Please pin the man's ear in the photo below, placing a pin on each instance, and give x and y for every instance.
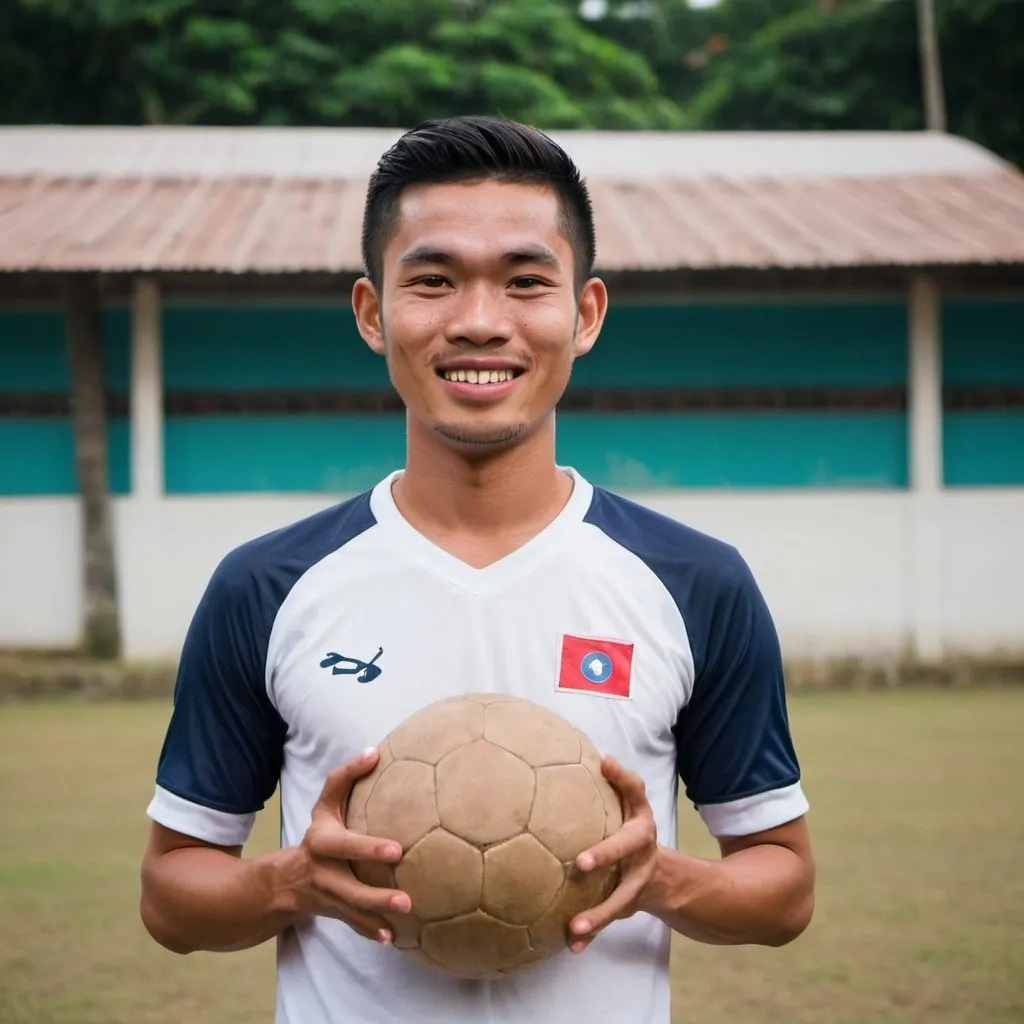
(593, 305)
(366, 307)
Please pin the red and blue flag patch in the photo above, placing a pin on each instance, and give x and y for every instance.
(592, 665)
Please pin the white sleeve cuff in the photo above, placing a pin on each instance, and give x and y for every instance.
(755, 813)
(205, 823)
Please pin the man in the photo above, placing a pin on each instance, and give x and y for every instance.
(482, 565)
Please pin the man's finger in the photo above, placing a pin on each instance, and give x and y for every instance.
(593, 920)
(339, 843)
(629, 784)
(369, 926)
(338, 783)
(634, 835)
(345, 889)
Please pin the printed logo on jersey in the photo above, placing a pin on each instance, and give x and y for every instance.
(364, 671)
(591, 665)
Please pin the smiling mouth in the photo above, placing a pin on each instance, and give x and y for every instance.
(479, 377)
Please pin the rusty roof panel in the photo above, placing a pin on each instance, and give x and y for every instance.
(274, 225)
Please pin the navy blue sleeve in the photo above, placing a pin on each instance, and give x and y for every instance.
(733, 735)
(224, 745)
(222, 755)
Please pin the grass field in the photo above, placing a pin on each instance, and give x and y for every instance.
(918, 820)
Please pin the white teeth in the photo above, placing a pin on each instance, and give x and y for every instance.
(478, 376)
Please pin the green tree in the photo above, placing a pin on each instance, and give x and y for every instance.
(529, 59)
(685, 45)
(856, 65)
(318, 62)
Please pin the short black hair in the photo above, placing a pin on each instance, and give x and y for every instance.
(476, 148)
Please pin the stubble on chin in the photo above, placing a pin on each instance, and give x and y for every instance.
(481, 441)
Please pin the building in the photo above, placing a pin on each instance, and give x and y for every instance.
(815, 351)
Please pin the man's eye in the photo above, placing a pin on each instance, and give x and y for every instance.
(432, 281)
(527, 282)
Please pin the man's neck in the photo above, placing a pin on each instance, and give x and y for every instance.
(482, 508)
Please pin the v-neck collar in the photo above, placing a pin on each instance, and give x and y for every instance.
(498, 574)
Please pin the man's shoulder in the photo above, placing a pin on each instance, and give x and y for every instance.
(671, 548)
(276, 559)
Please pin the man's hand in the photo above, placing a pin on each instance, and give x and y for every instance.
(321, 879)
(634, 847)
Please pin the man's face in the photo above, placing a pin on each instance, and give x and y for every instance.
(477, 314)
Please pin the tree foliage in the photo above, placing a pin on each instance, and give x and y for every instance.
(360, 62)
(856, 65)
(743, 64)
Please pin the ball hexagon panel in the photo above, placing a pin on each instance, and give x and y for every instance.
(437, 729)
(443, 876)
(402, 806)
(521, 878)
(591, 760)
(589, 755)
(533, 733)
(355, 811)
(484, 793)
(581, 891)
(567, 833)
(475, 944)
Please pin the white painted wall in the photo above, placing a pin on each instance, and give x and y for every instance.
(844, 573)
(40, 569)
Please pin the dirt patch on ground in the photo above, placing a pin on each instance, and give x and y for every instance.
(35, 676)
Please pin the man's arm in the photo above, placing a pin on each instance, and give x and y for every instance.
(198, 896)
(761, 892)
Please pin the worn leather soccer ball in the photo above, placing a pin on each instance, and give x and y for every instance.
(491, 798)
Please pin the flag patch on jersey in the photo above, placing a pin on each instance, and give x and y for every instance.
(589, 665)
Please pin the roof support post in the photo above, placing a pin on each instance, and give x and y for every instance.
(924, 408)
(84, 326)
(147, 404)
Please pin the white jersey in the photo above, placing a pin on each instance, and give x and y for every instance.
(680, 677)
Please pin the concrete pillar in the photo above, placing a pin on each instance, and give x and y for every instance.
(924, 421)
(925, 395)
(147, 402)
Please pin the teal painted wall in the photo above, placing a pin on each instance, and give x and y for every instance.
(730, 450)
(984, 449)
(812, 344)
(281, 453)
(983, 343)
(740, 344)
(348, 453)
(274, 347)
(37, 456)
(266, 347)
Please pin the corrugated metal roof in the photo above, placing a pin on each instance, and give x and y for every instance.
(263, 200)
(346, 153)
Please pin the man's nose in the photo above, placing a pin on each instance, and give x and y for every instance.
(481, 316)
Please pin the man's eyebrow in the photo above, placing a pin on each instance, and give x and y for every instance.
(426, 254)
(528, 254)
(532, 254)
